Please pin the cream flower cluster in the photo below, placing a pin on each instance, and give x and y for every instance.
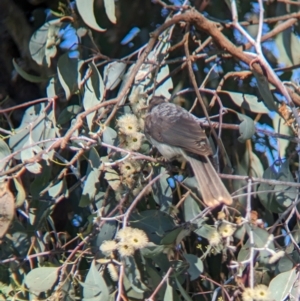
(224, 231)
(127, 241)
(258, 293)
(130, 125)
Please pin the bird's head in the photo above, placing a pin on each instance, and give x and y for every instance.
(155, 101)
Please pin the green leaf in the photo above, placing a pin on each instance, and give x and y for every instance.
(96, 81)
(4, 152)
(260, 238)
(86, 11)
(113, 74)
(281, 127)
(183, 292)
(248, 102)
(191, 208)
(288, 46)
(284, 264)
(53, 88)
(28, 153)
(250, 165)
(131, 294)
(42, 181)
(91, 184)
(28, 77)
(246, 128)
(205, 231)
(33, 122)
(154, 230)
(109, 137)
(170, 237)
(21, 193)
(68, 74)
(155, 280)
(55, 190)
(168, 292)
(167, 85)
(196, 265)
(281, 285)
(108, 232)
(162, 192)
(278, 197)
(264, 89)
(110, 10)
(152, 251)
(90, 188)
(134, 276)
(94, 285)
(43, 42)
(42, 279)
(112, 177)
(93, 93)
(68, 113)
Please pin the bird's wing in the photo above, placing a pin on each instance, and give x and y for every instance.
(172, 125)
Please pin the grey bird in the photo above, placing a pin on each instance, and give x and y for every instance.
(176, 134)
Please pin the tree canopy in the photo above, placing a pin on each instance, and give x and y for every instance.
(89, 209)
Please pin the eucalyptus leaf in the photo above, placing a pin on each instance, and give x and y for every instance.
(278, 197)
(112, 177)
(171, 237)
(68, 113)
(162, 192)
(94, 285)
(154, 222)
(281, 127)
(281, 285)
(196, 266)
(90, 188)
(29, 77)
(21, 193)
(191, 208)
(43, 42)
(167, 85)
(108, 232)
(130, 292)
(68, 74)
(133, 274)
(90, 98)
(42, 181)
(96, 81)
(260, 238)
(248, 102)
(33, 123)
(110, 10)
(113, 74)
(246, 128)
(168, 292)
(55, 190)
(109, 137)
(183, 292)
(288, 47)
(41, 279)
(28, 153)
(4, 152)
(264, 89)
(86, 11)
(284, 264)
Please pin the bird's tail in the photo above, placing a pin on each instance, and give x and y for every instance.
(212, 189)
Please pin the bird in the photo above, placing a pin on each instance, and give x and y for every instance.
(177, 134)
